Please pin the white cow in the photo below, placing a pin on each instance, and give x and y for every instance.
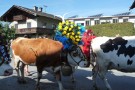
(113, 53)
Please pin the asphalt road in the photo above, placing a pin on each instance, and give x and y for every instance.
(118, 81)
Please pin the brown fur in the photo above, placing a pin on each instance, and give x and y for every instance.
(31, 50)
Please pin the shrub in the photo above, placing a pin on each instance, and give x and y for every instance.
(123, 29)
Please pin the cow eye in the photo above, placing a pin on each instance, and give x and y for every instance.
(74, 54)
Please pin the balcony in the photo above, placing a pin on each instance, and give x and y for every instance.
(34, 30)
(19, 17)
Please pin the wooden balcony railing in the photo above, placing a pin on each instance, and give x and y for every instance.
(34, 30)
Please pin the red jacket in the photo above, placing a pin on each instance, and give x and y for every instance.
(87, 37)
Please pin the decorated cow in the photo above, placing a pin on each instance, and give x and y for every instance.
(46, 53)
(113, 53)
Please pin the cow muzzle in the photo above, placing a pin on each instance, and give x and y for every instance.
(83, 64)
(8, 72)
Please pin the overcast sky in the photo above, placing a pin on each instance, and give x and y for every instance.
(82, 8)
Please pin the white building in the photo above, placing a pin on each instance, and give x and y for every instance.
(99, 19)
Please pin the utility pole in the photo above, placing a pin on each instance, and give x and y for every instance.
(45, 7)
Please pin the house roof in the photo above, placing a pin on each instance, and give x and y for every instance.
(132, 6)
(13, 10)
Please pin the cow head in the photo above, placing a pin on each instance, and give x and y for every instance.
(5, 68)
(77, 57)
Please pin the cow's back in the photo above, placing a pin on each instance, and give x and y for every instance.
(29, 50)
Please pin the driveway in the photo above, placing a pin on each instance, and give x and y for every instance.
(118, 81)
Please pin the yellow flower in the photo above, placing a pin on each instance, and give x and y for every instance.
(68, 34)
(79, 28)
(71, 36)
(71, 26)
(77, 39)
(78, 32)
(70, 29)
(65, 29)
(64, 32)
(76, 36)
(60, 27)
(60, 23)
(72, 22)
(63, 22)
(73, 39)
(67, 21)
(73, 33)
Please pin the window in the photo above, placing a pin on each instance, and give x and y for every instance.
(125, 20)
(44, 25)
(97, 22)
(16, 26)
(115, 20)
(87, 23)
(80, 24)
(28, 24)
(53, 26)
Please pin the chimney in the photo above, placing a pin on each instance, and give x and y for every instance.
(40, 9)
(35, 8)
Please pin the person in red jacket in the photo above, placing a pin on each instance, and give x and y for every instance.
(87, 37)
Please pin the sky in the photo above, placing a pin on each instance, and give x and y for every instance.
(82, 8)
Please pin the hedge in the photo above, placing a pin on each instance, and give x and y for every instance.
(123, 29)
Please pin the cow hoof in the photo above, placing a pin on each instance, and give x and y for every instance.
(37, 88)
(21, 81)
(95, 87)
(73, 81)
(109, 89)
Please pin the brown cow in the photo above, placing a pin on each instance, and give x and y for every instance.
(45, 53)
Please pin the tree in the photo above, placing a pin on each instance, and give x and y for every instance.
(8, 32)
(1, 26)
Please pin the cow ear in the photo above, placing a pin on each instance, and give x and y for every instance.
(73, 47)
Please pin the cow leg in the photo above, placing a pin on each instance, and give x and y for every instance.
(39, 75)
(72, 75)
(58, 78)
(17, 66)
(94, 75)
(102, 73)
(22, 73)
